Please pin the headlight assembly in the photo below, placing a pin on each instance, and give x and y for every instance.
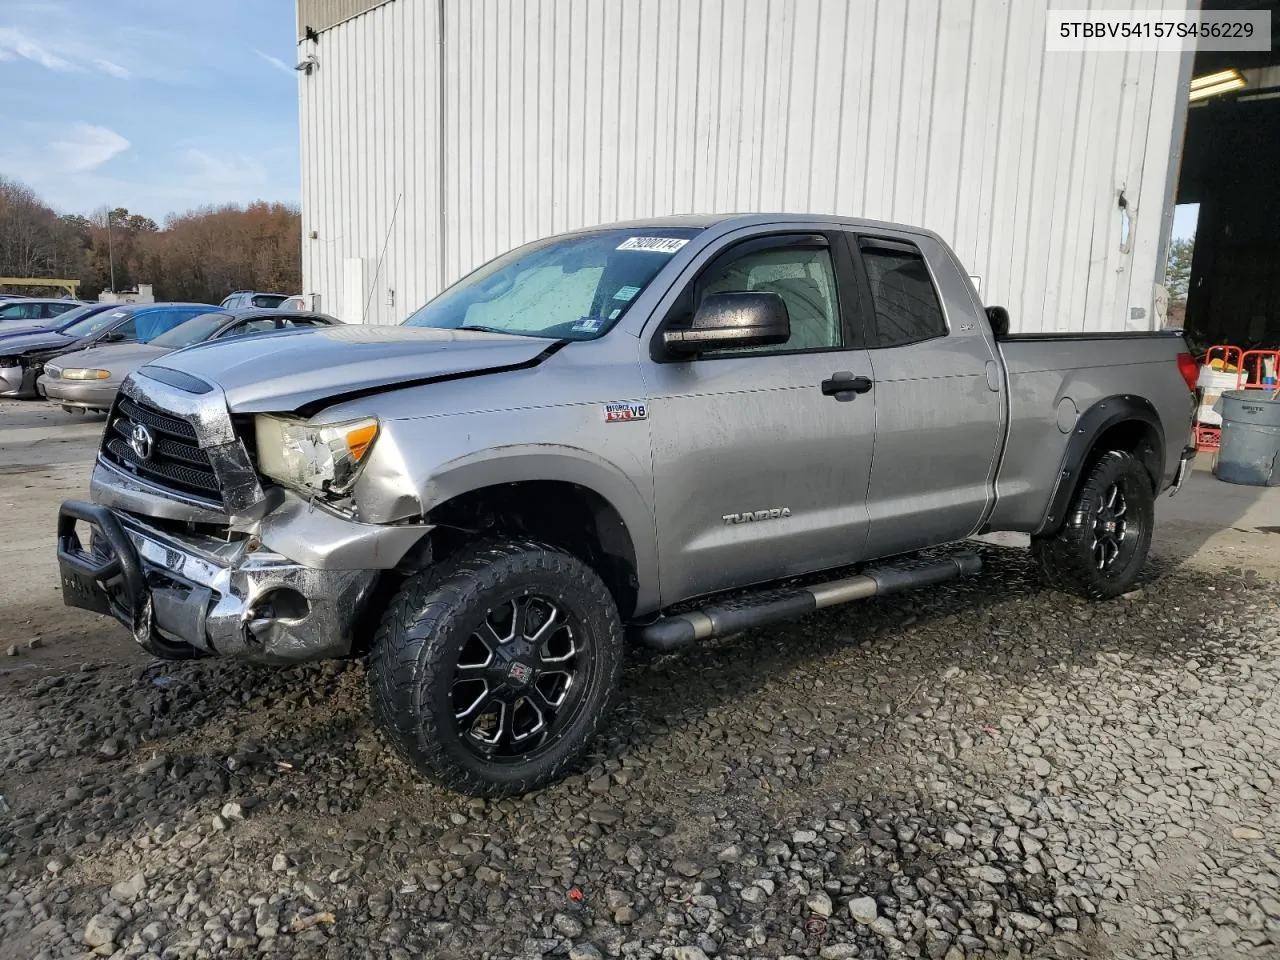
(85, 373)
(324, 457)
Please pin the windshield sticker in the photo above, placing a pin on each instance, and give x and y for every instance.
(587, 324)
(653, 244)
(616, 312)
(626, 293)
(624, 411)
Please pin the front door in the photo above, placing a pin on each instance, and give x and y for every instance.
(760, 470)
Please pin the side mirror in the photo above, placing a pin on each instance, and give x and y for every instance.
(112, 336)
(728, 321)
(998, 317)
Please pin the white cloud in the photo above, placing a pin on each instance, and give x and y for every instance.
(88, 147)
(14, 42)
(227, 171)
(114, 69)
(274, 61)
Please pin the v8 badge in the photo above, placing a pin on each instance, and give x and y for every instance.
(624, 411)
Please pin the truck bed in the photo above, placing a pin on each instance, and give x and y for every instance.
(1055, 378)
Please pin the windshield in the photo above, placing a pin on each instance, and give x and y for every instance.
(196, 330)
(563, 288)
(72, 317)
(91, 325)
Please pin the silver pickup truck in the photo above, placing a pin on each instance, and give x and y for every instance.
(652, 432)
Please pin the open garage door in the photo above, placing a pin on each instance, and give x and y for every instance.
(1231, 169)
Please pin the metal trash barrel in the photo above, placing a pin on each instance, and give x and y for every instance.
(1250, 451)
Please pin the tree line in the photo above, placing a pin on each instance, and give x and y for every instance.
(201, 255)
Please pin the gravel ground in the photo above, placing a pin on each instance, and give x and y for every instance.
(986, 769)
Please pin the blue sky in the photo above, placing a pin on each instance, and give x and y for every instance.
(1185, 216)
(154, 105)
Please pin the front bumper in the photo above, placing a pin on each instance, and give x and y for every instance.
(178, 592)
(87, 394)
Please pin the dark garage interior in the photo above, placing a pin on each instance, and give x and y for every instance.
(1231, 168)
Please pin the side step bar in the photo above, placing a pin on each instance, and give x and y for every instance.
(732, 616)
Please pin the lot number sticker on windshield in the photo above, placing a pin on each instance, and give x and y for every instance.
(653, 244)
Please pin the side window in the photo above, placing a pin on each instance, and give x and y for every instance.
(246, 327)
(803, 276)
(906, 304)
(128, 330)
(21, 311)
(57, 309)
(305, 322)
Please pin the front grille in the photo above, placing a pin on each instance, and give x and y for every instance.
(176, 460)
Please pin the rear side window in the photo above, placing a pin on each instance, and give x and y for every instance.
(20, 311)
(155, 322)
(906, 305)
(268, 300)
(246, 327)
(58, 309)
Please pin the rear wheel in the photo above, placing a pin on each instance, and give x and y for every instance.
(492, 673)
(1103, 544)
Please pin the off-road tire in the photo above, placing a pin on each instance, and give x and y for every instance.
(1068, 559)
(431, 620)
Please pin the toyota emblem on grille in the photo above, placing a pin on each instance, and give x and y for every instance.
(141, 441)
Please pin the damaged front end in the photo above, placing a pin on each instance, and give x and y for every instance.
(188, 550)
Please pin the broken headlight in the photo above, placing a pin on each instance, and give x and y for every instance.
(324, 457)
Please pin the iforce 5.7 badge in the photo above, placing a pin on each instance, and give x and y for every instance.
(624, 411)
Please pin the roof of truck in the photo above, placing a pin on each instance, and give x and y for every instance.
(703, 221)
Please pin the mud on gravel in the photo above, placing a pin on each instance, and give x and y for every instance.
(986, 769)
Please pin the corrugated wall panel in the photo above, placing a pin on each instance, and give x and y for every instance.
(369, 123)
(563, 113)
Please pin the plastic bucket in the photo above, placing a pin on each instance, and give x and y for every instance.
(1250, 451)
(1211, 384)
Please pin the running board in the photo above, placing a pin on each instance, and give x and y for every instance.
(732, 616)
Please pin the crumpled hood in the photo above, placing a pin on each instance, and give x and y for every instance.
(35, 340)
(120, 358)
(279, 372)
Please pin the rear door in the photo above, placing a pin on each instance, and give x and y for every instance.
(940, 409)
(759, 473)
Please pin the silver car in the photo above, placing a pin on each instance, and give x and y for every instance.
(89, 379)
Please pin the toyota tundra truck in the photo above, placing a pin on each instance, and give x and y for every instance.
(653, 433)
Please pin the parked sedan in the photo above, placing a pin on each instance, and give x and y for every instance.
(16, 328)
(45, 310)
(23, 357)
(88, 379)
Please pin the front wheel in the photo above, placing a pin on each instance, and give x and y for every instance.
(1100, 550)
(492, 673)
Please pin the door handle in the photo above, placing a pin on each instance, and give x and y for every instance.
(844, 385)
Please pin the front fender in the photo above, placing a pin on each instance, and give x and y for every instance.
(420, 464)
(520, 463)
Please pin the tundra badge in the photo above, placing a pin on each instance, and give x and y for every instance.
(774, 513)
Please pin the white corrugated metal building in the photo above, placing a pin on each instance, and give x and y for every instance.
(438, 133)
